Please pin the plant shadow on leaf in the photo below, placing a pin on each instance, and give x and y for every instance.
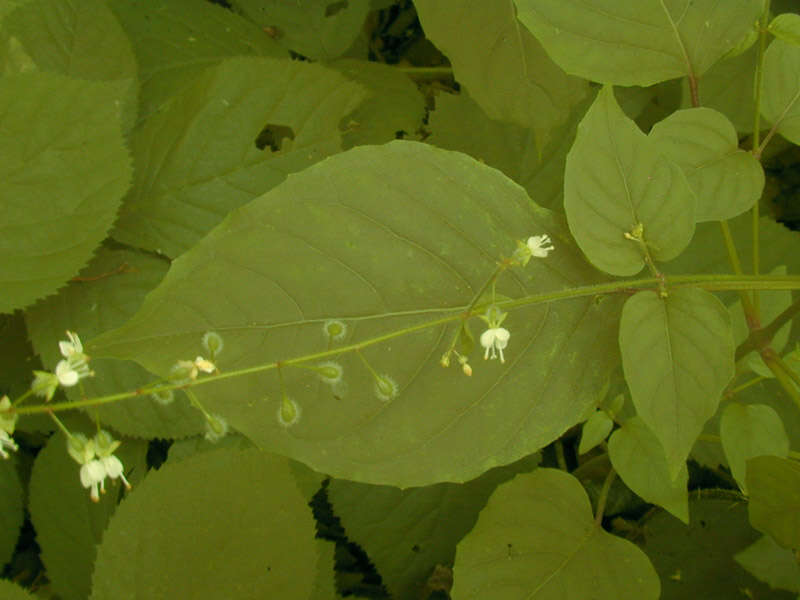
(273, 135)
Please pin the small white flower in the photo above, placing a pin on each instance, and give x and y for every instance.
(540, 245)
(44, 384)
(495, 339)
(204, 365)
(114, 469)
(72, 347)
(93, 474)
(183, 371)
(105, 445)
(67, 376)
(6, 441)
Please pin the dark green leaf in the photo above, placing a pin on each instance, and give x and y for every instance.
(774, 485)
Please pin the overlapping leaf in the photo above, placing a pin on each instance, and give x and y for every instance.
(615, 181)
(780, 88)
(750, 430)
(406, 533)
(63, 175)
(106, 294)
(772, 564)
(504, 68)
(774, 485)
(638, 42)
(383, 238)
(175, 40)
(318, 29)
(726, 180)
(537, 539)
(11, 514)
(234, 519)
(677, 354)
(199, 159)
(638, 457)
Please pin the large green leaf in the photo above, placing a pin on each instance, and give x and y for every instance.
(638, 42)
(79, 38)
(537, 539)
(774, 485)
(383, 238)
(318, 29)
(63, 174)
(68, 525)
(406, 533)
(725, 179)
(677, 354)
(616, 180)
(505, 146)
(780, 88)
(226, 524)
(175, 40)
(107, 293)
(199, 158)
(639, 458)
(505, 69)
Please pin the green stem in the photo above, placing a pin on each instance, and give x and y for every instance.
(196, 403)
(603, 498)
(707, 282)
(61, 425)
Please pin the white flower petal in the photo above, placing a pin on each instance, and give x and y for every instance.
(67, 376)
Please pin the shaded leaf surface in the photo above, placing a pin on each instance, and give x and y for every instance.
(11, 514)
(406, 533)
(638, 42)
(501, 64)
(317, 29)
(244, 500)
(396, 236)
(677, 354)
(780, 88)
(198, 159)
(697, 560)
(771, 564)
(63, 175)
(617, 179)
(774, 485)
(537, 539)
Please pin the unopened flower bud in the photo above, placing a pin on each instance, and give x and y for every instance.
(386, 388)
(330, 372)
(288, 412)
(163, 397)
(334, 330)
(216, 428)
(212, 342)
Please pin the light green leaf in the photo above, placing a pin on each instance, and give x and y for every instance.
(406, 533)
(199, 159)
(639, 458)
(771, 304)
(64, 36)
(397, 236)
(774, 485)
(771, 564)
(615, 180)
(11, 515)
(317, 29)
(726, 180)
(325, 583)
(394, 103)
(505, 146)
(63, 174)
(68, 525)
(105, 295)
(504, 68)
(595, 430)
(638, 42)
(780, 88)
(677, 354)
(537, 539)
(235, 519)
(786, 27)
(11, 591)
(697, 560)
(175, 40)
